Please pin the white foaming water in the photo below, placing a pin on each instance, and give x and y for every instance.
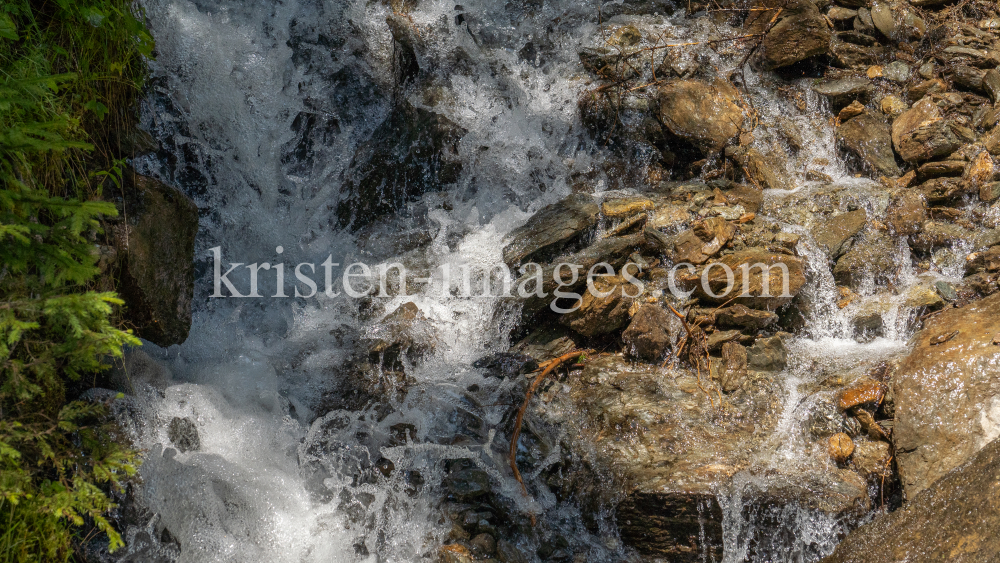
(280, 475)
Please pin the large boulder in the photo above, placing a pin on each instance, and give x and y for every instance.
(707, 114)
(947, 393)
(676, 460)
(956, 519)
(869, 138)
(922, 133)
(551, 229)
(413, 152)
(155, 248)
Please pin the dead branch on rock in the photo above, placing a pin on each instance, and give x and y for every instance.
(549, 368)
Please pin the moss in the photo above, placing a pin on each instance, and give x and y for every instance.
(71, 72)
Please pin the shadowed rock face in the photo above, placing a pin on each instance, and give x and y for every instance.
(551, 229)
(413, 152)
(956, 519)
(156, 271)
(947, 394)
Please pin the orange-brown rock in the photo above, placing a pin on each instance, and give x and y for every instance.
(947, 394)
(841, 447)
(866, 391)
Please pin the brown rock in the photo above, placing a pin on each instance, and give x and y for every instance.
(626, 207)
(651, 333)
(864, 392)
(955, 520)
(744, 317)
(600, 315)
(549, 231)
(834, 233)
(922, 133)
(155, 246)
(735, 361)
(707, 114)
(932, 86)
(906, 213)
(749, 279)
(869, 138)
(873, 460)
(980, 172)
(856, 108)
(703, 240)
(841, 447)
(941, 168)
(797, 37)
(947, 395)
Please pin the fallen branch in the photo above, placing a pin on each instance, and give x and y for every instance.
(549, 368)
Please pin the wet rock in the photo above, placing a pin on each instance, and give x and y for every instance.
(801, 34)
(545, 343)
(612, 250)
(466, 484)
(955, 519)
(767, 354)
(708, 114)
(936, 234)
(947, 395)
(506, 364)
(744, 317)
(455, 553)
(702, 241)
(968, 77)
(184, 434)
(985, 261)
(897, 71)
(155, 249)
(413, 152)
(864, 392)
(405, 332)
(941, 168)
(626, 207)
(942, 191)
(981, 172)
(932, 86)
(550, 230)
(868, 326)
(991, 84)
(765, 170)
(670, 464)
(840, 447)
(906, 213)
(872, 257)
(842, 90)
(735, 362)
(922, 133)
(651, 333)
(873, 460)
(893, 107)
(601, 315)
(754, 271)
(851, 55)
(483, 545)
(834, 234)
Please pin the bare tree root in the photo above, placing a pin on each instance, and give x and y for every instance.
(549, 368)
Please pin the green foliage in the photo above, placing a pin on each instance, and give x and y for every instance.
(70, 72)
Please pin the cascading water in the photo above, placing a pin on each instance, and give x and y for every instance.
(259, 109)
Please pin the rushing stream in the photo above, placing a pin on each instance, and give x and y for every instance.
(259, 108)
